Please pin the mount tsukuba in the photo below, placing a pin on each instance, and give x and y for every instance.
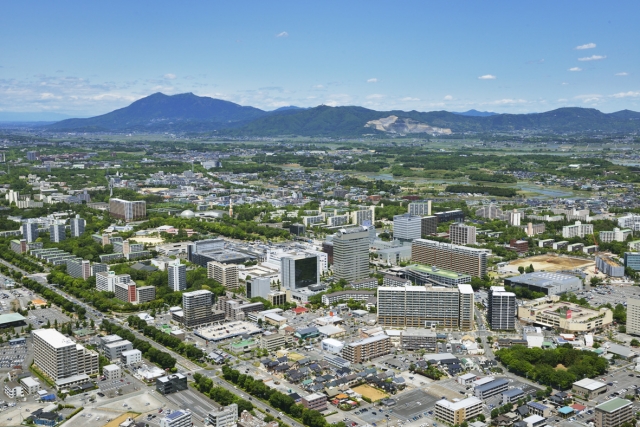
(189, 113)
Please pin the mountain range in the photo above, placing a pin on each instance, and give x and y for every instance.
(194, 114)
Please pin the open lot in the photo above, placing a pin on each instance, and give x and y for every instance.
(549, 263)
(370, 393)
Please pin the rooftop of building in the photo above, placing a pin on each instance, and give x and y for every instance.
(613, 404)
(460, 404)
(589, 384)
(423, 268)
(54, 338)
(542, 278)
(368, 340)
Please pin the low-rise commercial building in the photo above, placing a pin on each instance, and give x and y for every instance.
(546, 282)
(564, 316)
(113, 351)
(130, 357)
(171, 383)
(588, 389)
(417, 339)
(177, 419)
(112, 372)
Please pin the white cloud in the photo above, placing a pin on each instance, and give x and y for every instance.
(409, 99)
(507, 101)
(282, 34)
(318, 87)
(48, 95)
(562, 100)
(448, 98)
(372, 80)
(586, 46)
(170, 76)
(564, 83)
(629, 94)
(575, 69)
(588, 99)
(624, 73)
(375, 96)
(592, 58)
(487, 77)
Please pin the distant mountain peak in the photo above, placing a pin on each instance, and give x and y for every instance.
(476, 113)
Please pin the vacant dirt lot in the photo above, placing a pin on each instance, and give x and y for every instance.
(549, 263)
(370, 392)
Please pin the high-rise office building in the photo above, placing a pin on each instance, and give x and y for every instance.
(197, 307)
(59, 357)
(461, 234)
(30, 231)
(259, 287)
(455, 215)
(127, 210)
(420, 306)
(502, 309)
(407, 227)
(633, 316)
(57, 233)
(351, 254)
(300, 271)
(429, 225)
(447, 256)
(177, 276)
(225, 274)
(77, 226)
(420, 208)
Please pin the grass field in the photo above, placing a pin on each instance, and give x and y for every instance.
(370, 393)
(549, 263)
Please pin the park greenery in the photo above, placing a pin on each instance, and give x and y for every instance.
(558, 368)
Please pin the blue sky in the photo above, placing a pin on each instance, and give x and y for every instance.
(85, 58)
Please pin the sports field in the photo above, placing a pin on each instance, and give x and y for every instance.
(370, 393)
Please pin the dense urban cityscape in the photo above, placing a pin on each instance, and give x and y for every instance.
(337, 214)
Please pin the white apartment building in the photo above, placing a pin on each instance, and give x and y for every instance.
(461, 234)
(60, 358)
(577, 230)
(106, 280)
(617, 235)
(177, 276)
(420, 208)
(225, 274)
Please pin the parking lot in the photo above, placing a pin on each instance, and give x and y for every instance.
(610, 294)
(39, 317)
(111, 388)
(12, 355)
